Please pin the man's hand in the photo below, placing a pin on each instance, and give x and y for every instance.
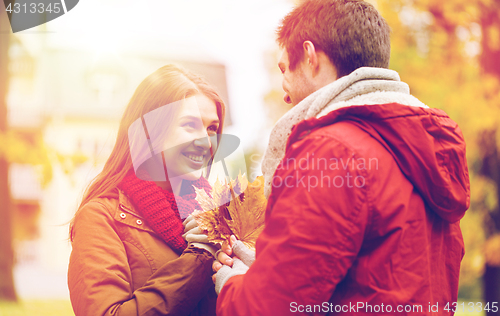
(242, 259)
(224, 256)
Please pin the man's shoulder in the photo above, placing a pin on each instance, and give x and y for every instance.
(352, 135)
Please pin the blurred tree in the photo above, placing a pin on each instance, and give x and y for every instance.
(275, 104)
(449, 53)
(16, 148)
(490, 145)
(7, 290)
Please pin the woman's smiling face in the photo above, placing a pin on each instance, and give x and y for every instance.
(192, 138)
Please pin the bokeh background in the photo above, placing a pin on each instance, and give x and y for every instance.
(65, 84)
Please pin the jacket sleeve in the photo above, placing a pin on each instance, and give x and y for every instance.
(100, 278)
(315, 223)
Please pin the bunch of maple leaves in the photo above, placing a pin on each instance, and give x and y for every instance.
(234, 208)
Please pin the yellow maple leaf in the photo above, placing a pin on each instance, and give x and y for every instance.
(235, 208)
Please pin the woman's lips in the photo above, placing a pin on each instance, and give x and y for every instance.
(196, 158)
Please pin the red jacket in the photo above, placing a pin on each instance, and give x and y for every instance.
(362, 218)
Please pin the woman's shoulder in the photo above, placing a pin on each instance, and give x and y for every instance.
(113, 205)
(105, 205)
(100, 214)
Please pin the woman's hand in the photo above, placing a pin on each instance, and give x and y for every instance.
(194, 236)
(241, 261)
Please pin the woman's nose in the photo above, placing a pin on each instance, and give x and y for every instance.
(203, 142)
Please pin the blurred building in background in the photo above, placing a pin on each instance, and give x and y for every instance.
(70, 101)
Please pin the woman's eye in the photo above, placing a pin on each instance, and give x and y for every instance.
(212, 129)
(189, 124)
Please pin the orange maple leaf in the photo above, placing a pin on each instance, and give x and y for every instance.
(235, 208)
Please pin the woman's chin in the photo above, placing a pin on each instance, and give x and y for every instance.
(192, 175)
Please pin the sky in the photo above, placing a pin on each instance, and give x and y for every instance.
(234, 33)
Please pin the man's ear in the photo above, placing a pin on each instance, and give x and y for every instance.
(311, 55)
(320, 66)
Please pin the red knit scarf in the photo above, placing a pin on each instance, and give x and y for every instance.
(161, 209)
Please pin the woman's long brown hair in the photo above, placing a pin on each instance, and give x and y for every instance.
(166, 85)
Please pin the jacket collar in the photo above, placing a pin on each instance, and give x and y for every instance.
(125, 204)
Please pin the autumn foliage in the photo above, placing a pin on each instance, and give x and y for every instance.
(449, 52)
(234, 208)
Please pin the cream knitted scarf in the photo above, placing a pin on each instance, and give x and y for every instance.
(364, 86)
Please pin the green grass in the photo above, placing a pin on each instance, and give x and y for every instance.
(37, 308)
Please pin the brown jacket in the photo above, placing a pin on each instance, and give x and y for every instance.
(120, 266)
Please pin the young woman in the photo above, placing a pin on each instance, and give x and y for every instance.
(129, 257)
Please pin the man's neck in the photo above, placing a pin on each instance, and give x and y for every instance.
(325, 73)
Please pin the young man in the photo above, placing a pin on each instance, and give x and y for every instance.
(366, 184)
